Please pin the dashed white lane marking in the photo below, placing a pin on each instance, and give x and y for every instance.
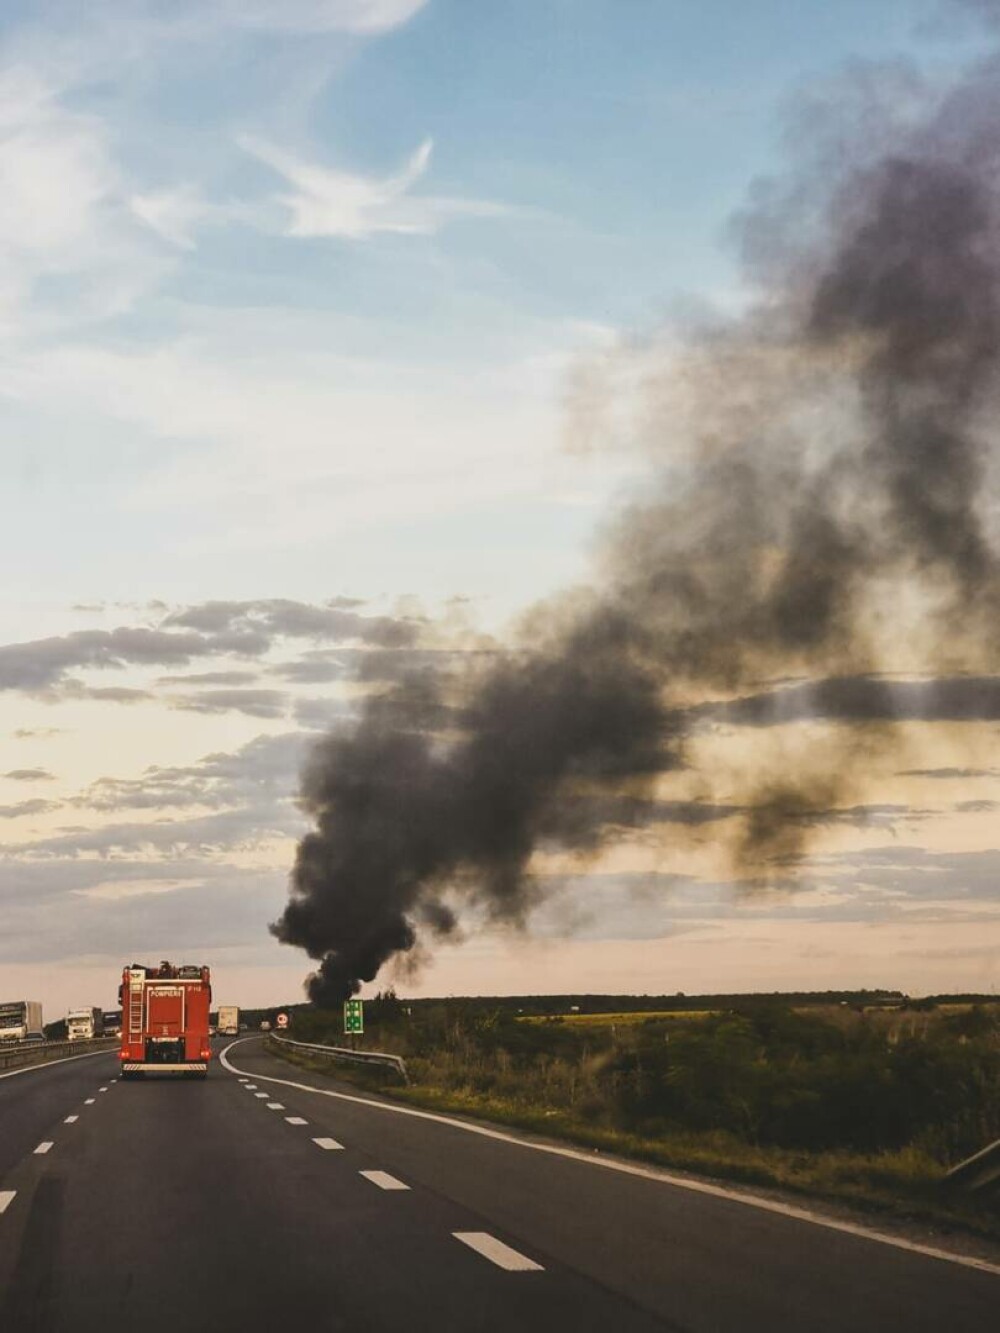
(383, 1180)
(275, 1106)
(330, 1144)
(631, 1169)
(242, 1080)
(249, 1087)
(497, 1252)
(90, 1101)
(44, 1147)
(114, 1080)
(261, 1096)
(102, 1089)
(71, 1120)
(6, 1199)
(295, 1120)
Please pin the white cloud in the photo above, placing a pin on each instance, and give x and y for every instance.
(329, 202)
(62, 218)
(357, 16)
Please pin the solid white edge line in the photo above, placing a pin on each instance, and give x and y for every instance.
(497, 1252)
(630, 1169)
(63, 1060)
(6, 1199)
(383, 1180)
(44, 1147)
(71, 1120)
(331, 1145)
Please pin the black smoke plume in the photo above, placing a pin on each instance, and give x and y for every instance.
(817, 510)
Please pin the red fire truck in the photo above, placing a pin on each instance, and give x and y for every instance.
(165, 1020)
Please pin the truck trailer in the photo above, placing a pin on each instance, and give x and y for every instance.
(165, 1019)
(229, 1020)
(21, 1020)
(85, 1024)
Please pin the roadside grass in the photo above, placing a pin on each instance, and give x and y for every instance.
(906, 1184)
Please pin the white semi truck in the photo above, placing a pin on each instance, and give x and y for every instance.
(85, 1024)
(229, 1020)
(21, 1020)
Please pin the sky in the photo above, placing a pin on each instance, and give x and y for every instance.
(301, 307)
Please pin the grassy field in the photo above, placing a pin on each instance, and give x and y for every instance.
(614, 1019)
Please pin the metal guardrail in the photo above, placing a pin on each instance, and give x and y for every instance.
(343, 1053)
(978, 1172)
(25, 1054)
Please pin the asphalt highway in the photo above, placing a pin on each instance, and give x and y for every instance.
(244, 1203)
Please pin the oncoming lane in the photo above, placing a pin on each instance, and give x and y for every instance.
(35, 1099)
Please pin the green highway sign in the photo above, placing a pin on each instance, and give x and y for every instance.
(354, 1016)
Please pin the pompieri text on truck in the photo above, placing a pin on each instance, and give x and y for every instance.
(165, 1019)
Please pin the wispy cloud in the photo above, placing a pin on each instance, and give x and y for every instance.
(355, 16)
(252, 703)
(112, 890)
(329, 202)
(23, 808)
(247, 629)
(262, 771)
(173, 213)
(68, 247)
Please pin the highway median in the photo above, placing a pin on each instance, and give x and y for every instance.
(26, 1055)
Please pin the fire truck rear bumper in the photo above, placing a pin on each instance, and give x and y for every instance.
(161, 1067)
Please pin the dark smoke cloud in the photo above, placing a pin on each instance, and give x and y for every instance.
(866, 699)
(823, 473)
(398, 815)
(948, 773)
